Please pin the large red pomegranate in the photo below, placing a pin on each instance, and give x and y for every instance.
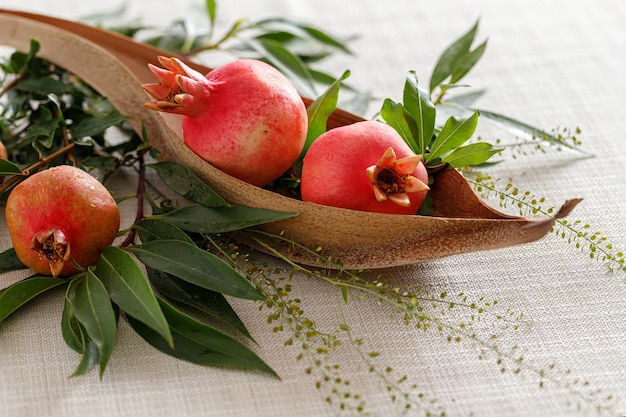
(364, 166)
(244, 117)
(59, 215)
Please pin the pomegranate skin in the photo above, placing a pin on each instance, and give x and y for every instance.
(334, 168)
(243, 117)
(69, 208)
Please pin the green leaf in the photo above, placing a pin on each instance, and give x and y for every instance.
(19, 62)
(210, 302)
(200, 219)
(451, 58)
(9, 261)
(43, 86)
(130, 290)
(21, 292)
(70, 329)
(288, 63)
(92, 126)
(324, 38)
(152, 229)
(9, 168)
(396, 116)
(183, 181)
(300, 29)
(211, 10)
(455, 132)
(90, 357)
(198, 343)
(418, 104)
(468, 61)
(194, 265)
(320, 110)
(471, 155)
(92, 307)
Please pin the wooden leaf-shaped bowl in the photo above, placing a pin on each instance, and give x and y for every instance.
(116, 66)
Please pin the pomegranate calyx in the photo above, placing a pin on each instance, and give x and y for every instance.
(54, 246)
(180, 87)
(391, 178)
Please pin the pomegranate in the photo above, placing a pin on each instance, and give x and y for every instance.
(59, 216)
(244, 117)
(364, 166)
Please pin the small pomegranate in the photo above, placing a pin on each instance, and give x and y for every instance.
(244, 117)
(364, 166)
(61, 215)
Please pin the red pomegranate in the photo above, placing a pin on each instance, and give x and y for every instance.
(364, 166)
(244, 117)
(3, 151)
(60, 215)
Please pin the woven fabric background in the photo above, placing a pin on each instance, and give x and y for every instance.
(557, 63)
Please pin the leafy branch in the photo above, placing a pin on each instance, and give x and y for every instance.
(292, 46)
(452, 67)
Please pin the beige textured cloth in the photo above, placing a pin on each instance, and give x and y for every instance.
(551, 63)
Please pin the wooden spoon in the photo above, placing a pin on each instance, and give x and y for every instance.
(116, 66)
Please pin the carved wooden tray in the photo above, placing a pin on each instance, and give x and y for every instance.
(117, 66)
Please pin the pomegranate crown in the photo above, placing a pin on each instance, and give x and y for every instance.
(391, 178)
(180, 87)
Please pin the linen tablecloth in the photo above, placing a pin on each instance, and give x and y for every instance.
(553, 64)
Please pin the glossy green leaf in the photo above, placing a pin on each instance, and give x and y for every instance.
(471, 155)
(70, 328)
(130, 290)
(96, 125)
(43, 86)
(449, 60)
(418, 104)
(468, 61)
(75, 336)
(92, 307)
(9, 261)
(152, 229)
(198, 343)
(200, 219)
(9, 168)
(195, 265)
(183, 181)
(89, 358)
(210, 302)
(320, 110)
(21, 292)
(396, 116)
(455, 132)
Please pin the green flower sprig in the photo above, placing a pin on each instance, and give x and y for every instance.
(577, 232)
(456, 317)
